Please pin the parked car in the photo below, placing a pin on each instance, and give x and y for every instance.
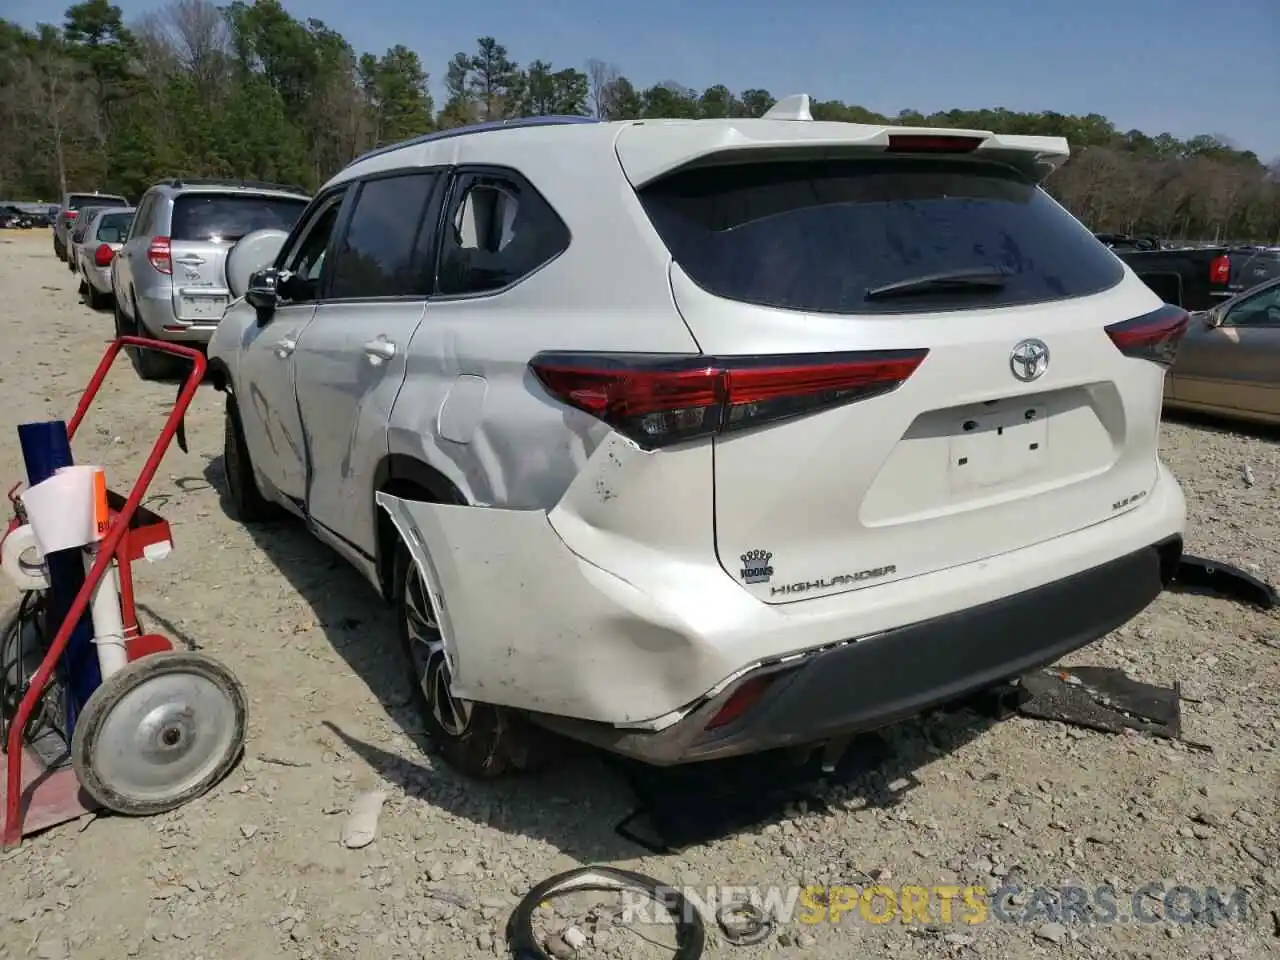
(170, 276)
(103, 239)
(12, 218)
(1121, 241)
(77, 233)
(692, 439)
(1229, 362)
(72, 204)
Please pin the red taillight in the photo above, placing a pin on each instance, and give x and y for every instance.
(102, 256)
(72, 214)
(1220, 270)
(930, 143)
(741, 700)
(158, 254)
(1153, 336)
(660, 400)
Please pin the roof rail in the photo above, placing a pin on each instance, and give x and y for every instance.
(514, 123)
(179, 182)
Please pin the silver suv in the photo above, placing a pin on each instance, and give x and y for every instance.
(72, 204)
(169, 279)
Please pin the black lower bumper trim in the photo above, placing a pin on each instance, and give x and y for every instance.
(886, 678)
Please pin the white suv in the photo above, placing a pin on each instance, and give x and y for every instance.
(696, 438)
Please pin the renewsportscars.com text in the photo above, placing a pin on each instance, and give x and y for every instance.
(947, 904)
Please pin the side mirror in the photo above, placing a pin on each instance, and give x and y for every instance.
(263, 290)
(1214, 318)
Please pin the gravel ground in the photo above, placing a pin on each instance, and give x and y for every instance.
(256, 870)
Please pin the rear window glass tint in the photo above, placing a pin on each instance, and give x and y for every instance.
(817, 235)
(211, 216)
(114, 227)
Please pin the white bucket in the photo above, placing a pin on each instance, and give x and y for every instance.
(67, 510)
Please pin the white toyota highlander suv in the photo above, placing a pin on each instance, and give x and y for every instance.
(695, 438)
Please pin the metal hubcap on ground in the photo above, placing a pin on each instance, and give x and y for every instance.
(427, 649)
(165, 736)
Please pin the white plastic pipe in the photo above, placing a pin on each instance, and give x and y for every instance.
(108, 621)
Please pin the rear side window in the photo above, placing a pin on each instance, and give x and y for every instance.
(114, 227)
(819, 235)
(498, 230)
(380, 253)
(228, 217)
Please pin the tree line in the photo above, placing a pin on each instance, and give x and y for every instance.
(249, 91)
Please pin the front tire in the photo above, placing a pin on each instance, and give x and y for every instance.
(478, 740)
(248, 505)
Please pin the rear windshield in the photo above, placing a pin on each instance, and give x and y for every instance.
(114, 227)
(78, 201)
(213, 216)
(818, 235)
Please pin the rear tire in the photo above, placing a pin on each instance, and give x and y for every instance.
(59, 251)
(247, 503)
(478, 740)
(97, 300)
(150, 364)
(125, 326)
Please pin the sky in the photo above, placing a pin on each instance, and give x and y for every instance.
(1181, 66)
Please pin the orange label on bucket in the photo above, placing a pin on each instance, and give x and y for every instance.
(101, 513)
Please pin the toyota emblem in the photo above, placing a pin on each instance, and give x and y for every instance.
(1029, 360)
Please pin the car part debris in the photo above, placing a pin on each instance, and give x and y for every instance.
(1222, 579)
(522, 939)
(691, 804)
(744, 924)
(361, 826)
(1103, 699)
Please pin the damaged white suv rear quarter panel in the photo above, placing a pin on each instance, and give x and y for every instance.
(527, 623)
(502, 578)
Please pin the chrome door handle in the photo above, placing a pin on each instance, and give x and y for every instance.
(285, 347)
(191, 260)
(380, 349)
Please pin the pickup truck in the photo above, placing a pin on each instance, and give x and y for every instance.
(1251, 266)
(1194, 278)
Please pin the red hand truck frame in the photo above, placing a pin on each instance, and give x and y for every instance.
(133, 529)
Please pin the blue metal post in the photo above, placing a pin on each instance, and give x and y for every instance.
(45, 448)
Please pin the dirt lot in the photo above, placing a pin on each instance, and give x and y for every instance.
(256, 870)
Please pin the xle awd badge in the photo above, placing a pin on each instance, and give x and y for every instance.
(755, 566)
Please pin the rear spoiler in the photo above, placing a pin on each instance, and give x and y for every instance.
(649, 150)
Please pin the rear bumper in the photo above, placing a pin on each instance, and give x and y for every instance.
(635, 649)
(97, 277)
(869, 683)
(157, 320)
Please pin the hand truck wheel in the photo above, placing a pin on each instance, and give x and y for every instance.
(160, 732)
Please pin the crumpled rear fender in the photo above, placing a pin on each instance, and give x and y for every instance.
(528, 624)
